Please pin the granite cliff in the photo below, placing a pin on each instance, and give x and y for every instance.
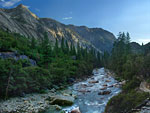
(21, 20)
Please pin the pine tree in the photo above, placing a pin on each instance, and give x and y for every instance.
(71, 49)
(46, 50)
(78, 51)
(67, 47)
(56, 48)
(45, 40)
(127, 38)
(33, 43)
(74, 50)
(62, 44)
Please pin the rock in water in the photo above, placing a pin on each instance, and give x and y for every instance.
(105, 85)
(92, 82)
(104, 93)
(61, 100)
(107, 81)
(76, 110)
(103, 88)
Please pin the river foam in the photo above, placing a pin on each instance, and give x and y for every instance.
(89, 100)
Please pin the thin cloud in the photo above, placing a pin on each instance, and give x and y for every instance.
(67, 18)
(8, 3)
(37, 9)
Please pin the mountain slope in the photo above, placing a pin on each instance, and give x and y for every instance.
(21, 20)
(100, 38)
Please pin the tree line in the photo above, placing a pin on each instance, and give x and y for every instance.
(129, 65)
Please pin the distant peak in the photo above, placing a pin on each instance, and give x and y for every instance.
(21, 6)
(25, 8)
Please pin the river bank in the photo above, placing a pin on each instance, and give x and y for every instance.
(37, 103)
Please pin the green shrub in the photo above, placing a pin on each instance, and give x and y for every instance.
(124, 102)
(132, 84)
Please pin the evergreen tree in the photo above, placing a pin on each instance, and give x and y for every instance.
(79, 55)
(33, 43)
(74, 50)
(46, 50)
(127, 38)
(67, 47)
(56, 48)
(63, 45)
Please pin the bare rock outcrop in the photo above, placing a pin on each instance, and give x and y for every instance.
(21, 20)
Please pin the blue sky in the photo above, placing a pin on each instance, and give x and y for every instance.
(113, 15)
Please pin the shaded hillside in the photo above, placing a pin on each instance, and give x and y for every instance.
(100, 38)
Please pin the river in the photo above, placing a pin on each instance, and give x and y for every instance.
(89, 100)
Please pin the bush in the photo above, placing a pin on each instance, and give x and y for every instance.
(132, 84)
(125, 102)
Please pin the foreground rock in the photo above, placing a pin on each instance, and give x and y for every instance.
(32, 103)
(35, 103)
(61, 100)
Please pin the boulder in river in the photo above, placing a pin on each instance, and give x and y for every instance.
(61, 100)
(84, 85)
(84, 91)
(76, 110)
(103, 88)
(94, 81)
(107, 81)
(105, 85)
(104, 93)
(110, 86)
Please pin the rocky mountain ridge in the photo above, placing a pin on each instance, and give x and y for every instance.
(21, 20)
(137, 48)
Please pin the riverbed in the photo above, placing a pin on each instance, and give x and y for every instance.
(89, 100)
(94, 93)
